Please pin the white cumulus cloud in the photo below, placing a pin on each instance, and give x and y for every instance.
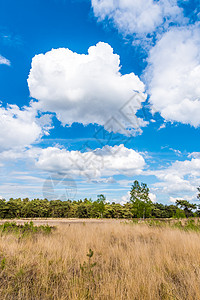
(19, 127)
(181, 177)
(106, 162)
(87, 88)
(137, 16)
(173, 75)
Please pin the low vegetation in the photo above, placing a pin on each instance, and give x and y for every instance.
(24, 229)
(183, 224)
(143, 261)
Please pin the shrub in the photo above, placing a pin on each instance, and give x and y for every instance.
(25, 229)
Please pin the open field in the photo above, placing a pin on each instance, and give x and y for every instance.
(60, 221)
(130, 261)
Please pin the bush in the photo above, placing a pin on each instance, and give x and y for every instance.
(25, 229)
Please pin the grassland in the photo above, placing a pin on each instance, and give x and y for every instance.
(126, 261)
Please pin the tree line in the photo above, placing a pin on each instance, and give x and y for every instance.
(139, 206)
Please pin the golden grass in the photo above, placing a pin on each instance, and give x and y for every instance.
(132, 262)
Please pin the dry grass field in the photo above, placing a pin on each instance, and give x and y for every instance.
(129, 262)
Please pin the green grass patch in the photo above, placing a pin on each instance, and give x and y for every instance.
(183, 224)
(188, 225)
(25, 229)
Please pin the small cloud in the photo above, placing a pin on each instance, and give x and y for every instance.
(20, 127)
(125, 198)
(103, 180)
(194, 155)
(177, 152)
(185, 197)
(173, 200)
(152, 197)
(4, 61)
(162, 126)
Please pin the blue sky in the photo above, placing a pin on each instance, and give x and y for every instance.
(95, 94)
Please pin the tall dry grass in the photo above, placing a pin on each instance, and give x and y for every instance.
(132, 262)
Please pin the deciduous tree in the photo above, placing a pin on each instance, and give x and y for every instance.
(142, 204)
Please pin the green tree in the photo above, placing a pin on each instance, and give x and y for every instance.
(83, 210)
(56, 208)
(36, 208)
(3, 210)
(101, 200)
(142, 204)
(14, 208)
(127, 211)
(158, 211)
(187, 207)
(170, 210)
(179, 213)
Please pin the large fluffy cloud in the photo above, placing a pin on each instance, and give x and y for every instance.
(107, 161)
(137, 16)
(174, 75)
(20, 127)
(86, 88)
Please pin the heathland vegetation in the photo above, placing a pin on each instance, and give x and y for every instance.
(143, 258)
(104, 261)
(139, 206)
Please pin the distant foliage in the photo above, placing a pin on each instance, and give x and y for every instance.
(140, 206)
